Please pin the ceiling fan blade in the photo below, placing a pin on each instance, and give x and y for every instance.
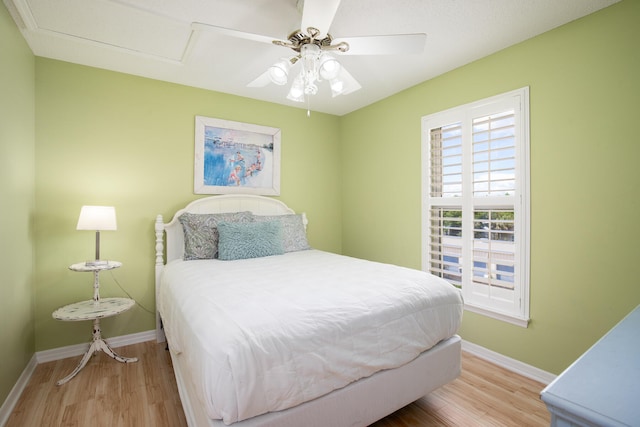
(261, 81)
(319, 14)
(200, 26)
(396, 44)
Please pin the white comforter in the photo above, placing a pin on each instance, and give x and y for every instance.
(267, 334)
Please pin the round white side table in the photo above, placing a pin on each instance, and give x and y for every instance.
(94, 309)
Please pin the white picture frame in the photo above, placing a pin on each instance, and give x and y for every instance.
(235, 157)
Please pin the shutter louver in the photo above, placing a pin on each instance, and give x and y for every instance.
(494, 155)
(494, 248)
(445, 244)
(446, 161)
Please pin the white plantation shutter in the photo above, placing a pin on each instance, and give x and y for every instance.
(475, 203)
(445, 223)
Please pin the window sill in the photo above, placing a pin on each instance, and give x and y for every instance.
(518, 321)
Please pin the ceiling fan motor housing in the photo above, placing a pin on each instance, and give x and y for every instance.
(300, 38)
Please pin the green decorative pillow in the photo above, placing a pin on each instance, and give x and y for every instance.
(294, 236)
(201, 232)
(249, 240)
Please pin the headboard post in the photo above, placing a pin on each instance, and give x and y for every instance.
(159, 229)
(159, 240)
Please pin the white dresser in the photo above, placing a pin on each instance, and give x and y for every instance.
(602, 387)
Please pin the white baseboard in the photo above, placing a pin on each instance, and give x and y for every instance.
(78, 349)
(15, 393)
(57, 354)
(508, 363)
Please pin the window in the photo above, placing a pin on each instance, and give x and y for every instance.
(476, 203)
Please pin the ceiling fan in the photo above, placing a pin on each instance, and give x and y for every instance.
(314, 49)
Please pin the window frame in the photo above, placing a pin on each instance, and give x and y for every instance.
(515, 311)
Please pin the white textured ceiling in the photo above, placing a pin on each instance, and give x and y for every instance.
(155, 38)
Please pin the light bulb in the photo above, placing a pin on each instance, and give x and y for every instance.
(337, 87)
(296, 91)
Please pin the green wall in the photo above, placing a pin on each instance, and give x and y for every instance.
(17, 112)
(108, 138)
(584, 81)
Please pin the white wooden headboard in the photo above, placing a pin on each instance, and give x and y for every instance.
(172, 230)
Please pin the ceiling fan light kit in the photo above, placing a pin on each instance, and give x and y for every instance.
(317, 66)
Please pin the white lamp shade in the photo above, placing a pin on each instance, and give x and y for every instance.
(97, 218)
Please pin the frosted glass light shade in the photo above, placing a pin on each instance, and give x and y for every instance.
(296, 92)
(329, 67)
(97, 218)
(279, 72)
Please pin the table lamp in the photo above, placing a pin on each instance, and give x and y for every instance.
(97, 218)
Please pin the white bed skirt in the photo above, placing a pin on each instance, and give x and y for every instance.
(358, 404)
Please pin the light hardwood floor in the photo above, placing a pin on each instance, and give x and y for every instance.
(107, 393)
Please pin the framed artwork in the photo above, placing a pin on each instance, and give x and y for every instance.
(234, 157)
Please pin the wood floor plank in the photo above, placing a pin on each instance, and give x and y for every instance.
(111, 394)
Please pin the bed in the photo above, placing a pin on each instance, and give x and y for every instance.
(267, 331)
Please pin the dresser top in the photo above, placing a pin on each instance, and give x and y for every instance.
(603, 385)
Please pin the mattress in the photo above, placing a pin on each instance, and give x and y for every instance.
(267, 334)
